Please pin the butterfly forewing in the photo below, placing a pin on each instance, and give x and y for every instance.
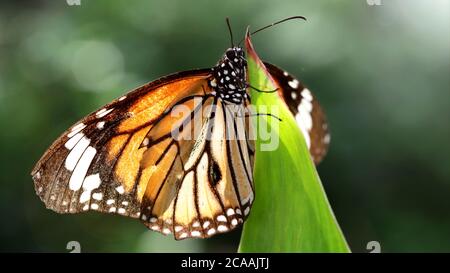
(305, 108)
(166, 153)
(100, 153)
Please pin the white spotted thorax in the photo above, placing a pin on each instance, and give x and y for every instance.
(230, 77)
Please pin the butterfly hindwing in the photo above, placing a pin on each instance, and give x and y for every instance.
(207, 189)
(306, 109)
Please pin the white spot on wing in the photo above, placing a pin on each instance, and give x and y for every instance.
(76, 153)
(155, 227)
(306, 94)
(211, 231)
(294, 83)
(222, 228)
(122, 98)
(97, 196)
(304, 121)
(100, 125)
(303, 117)
(178, 228)
(120, 189)
(306, 105)
(221, 218)
(103, 112)
(73, 140)
(85, 196)
(81, 169)
(76, 129)
(230, 211)
(92, 182)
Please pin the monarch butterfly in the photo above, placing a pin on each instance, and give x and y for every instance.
(124, 158)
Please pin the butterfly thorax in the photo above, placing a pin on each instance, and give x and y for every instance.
(229, 76)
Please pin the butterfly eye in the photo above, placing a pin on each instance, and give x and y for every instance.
(231, 55)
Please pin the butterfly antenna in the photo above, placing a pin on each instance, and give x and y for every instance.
(231, 32)
(276, 23)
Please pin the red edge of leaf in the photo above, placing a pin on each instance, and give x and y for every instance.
(252, 54)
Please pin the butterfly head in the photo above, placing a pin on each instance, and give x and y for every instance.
(235, 52)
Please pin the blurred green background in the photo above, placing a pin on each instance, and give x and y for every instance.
(380, 72)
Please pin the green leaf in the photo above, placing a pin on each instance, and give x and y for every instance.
(291, 212)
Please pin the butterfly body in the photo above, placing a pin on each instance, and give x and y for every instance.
(175, 153)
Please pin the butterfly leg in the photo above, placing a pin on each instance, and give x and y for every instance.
(204, 91)
(262, 91)
(260, 114)
(263, 114)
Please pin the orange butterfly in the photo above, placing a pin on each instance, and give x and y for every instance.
(126, 159)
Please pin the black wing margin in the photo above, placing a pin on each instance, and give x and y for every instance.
(306, 109)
